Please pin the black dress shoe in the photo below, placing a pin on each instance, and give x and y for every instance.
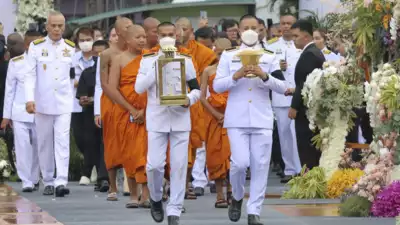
(173, 220)
(280, 174)
(96, 187)
(61, 191)
(104, 186)
(253, 220)
(27, 189)
(235, 210)
(36, 187)
(48, 190)
(286, 179)
(157, 211)
(199, 191)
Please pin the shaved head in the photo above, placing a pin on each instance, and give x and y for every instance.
(136, 38)
(222, 43)
(13, 39)
(187, 28)
(122, 24)
(150, 25)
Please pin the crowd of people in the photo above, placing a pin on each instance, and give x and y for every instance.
(103, 88)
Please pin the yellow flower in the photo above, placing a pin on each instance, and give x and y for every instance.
(378, 7)
(386, 20)
(341, 180)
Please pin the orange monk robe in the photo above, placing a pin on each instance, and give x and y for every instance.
(112, 152)
(131, 136)
(202, 57)
(217, 143)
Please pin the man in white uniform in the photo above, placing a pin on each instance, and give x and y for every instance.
(248, 118)
(288, 54)
(167, 123)
(22, 123)
(48, 94)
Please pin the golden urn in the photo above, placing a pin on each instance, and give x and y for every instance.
(250, 57)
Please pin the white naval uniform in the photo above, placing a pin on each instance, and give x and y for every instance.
(26, 150)
(286, 50)
(331, 56)
(249, 120)
(98, 91)
(48, 84)
(165, 123)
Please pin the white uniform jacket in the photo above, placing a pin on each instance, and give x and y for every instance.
(79, 67)
(47, 76)
(248, 104)
(164, 118)
(98, 91)
(14, 96)
(285, 50)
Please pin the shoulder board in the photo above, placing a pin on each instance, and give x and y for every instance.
(231, 49)
(15, 59)
(148, 54)
(273, 40)
(39, 41)
(268, 51)
(70, 43)
(326, 51)
(186, 55)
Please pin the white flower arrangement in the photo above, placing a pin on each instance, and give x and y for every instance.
(330, 95)
(29, 11)
(372, 96)
(5, 169)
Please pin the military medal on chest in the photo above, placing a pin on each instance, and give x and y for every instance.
(66, 53)
(45, 53)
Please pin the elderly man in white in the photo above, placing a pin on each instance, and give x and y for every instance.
(48, 94)
(248, 118)
(167, 123)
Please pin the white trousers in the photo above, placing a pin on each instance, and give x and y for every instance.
(53, 144)
(250, 147)
(199, 176)
(156, 156)
(26, 153)
(288, 141)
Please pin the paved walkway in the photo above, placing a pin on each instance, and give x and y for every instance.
(85, 207)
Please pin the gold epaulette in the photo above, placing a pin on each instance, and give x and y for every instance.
(186, 55)
(15, 59)
(273, 40)
(231, 49)
(326, 52)
(38, 41)
(70, 43)
(268, 51)
(148, 54)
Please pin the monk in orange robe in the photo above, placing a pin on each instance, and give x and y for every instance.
(203, 57)
(112, 156)
(217, 142)
(129, 114)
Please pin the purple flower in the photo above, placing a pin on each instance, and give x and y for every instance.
(387, 202)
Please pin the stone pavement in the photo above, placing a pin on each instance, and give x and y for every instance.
(85, 207)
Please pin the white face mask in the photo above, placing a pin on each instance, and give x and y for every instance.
(86, 46)
(167, 42)
(249, 37)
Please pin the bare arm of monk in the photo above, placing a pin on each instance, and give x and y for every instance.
(105, 69)
(209, 71)
(114, 78)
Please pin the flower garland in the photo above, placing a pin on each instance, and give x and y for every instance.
(331, 95)
(29, 11)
